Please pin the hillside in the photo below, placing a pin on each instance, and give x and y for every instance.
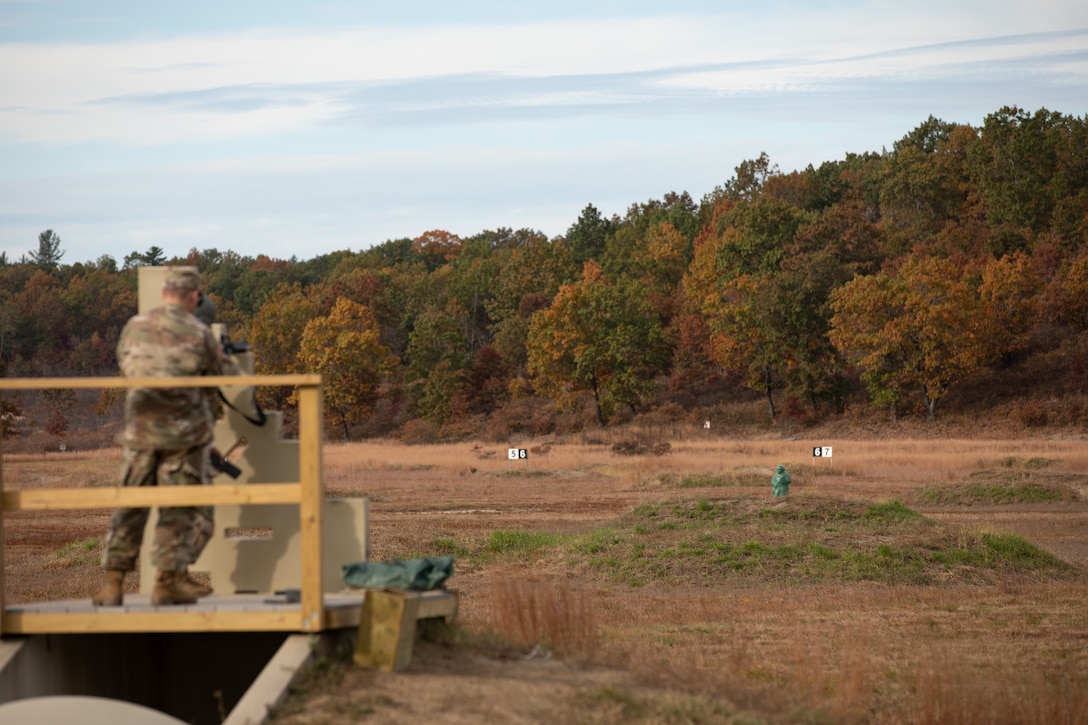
(944, 278)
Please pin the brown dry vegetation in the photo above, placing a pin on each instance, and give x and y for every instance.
(936, 580)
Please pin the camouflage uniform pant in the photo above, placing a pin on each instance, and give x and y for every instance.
(181, 532)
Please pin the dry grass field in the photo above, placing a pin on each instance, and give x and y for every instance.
(935, 580)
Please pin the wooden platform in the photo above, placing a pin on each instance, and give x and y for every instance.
(236, 613)
(230, 613)
(313, 610)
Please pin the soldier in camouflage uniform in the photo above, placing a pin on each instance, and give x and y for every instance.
(166, 441)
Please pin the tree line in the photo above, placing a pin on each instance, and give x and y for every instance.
(886, 278)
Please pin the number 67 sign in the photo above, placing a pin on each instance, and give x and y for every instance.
(821, 452)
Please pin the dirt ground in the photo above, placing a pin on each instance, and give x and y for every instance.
(459, 495)
(447, 685)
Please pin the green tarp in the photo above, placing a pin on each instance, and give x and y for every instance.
(418, 574)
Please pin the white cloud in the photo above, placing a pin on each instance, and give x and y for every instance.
(130, 92)
(304, 141)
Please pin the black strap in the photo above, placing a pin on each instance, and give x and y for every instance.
(258, 421)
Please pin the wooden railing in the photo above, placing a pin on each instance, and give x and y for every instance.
(307, 493)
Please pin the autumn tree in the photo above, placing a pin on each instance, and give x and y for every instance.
(653, 241)
(762, 291)
(258, 281)
(917, 328)
(59, 402)
(276, 335)
(599, 337)
(440, 396)
(755, 237)
(42, 324)
(98, 303)
(527, 280)
(371, 288)
(745, 337)
(1009, 301)
(828, 250)
(437, 247)
(1067, 296)
(1030, 171)
(471, 285)
(344, 348)
(923, 183)
(437, 364)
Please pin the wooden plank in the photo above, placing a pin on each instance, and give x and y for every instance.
(43, 499)
(3, 588)
(343, 613)
(343, 617)
(206, 381)
(310, 505)
(153, 620)
(291, 660)
(439, 603)
(240, 620)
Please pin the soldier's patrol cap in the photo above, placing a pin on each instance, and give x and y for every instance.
(182, 278)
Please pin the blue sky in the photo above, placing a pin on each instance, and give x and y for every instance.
(301, 128)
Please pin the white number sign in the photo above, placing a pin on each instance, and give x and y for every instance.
(822, 451)
(515, 453)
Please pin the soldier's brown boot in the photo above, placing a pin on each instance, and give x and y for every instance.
(198, 588)
(113, 593)
(171, 587)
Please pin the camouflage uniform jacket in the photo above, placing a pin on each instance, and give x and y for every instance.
(167, 342)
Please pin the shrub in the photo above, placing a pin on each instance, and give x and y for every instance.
(1032, 414)
(639, 448)
(419, 432)
(549, 612)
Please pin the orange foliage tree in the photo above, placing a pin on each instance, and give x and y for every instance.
(345, 349)
(599, 337)
(276, 335)
(919, 327)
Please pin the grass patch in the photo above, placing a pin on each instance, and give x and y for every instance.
(891, 512)
(1000, 551)
(600, 540)
(1032, 463)
(521, 542)
(993, 494)
(523, 473)
(616, 700)
(1016, 551)
(888, 543)
(444, 545)
(85, 552)
(738, 478)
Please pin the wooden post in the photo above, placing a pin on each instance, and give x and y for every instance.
(387, 629)
(311, 429)
(2, 585)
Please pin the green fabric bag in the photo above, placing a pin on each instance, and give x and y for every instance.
(418, 574)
